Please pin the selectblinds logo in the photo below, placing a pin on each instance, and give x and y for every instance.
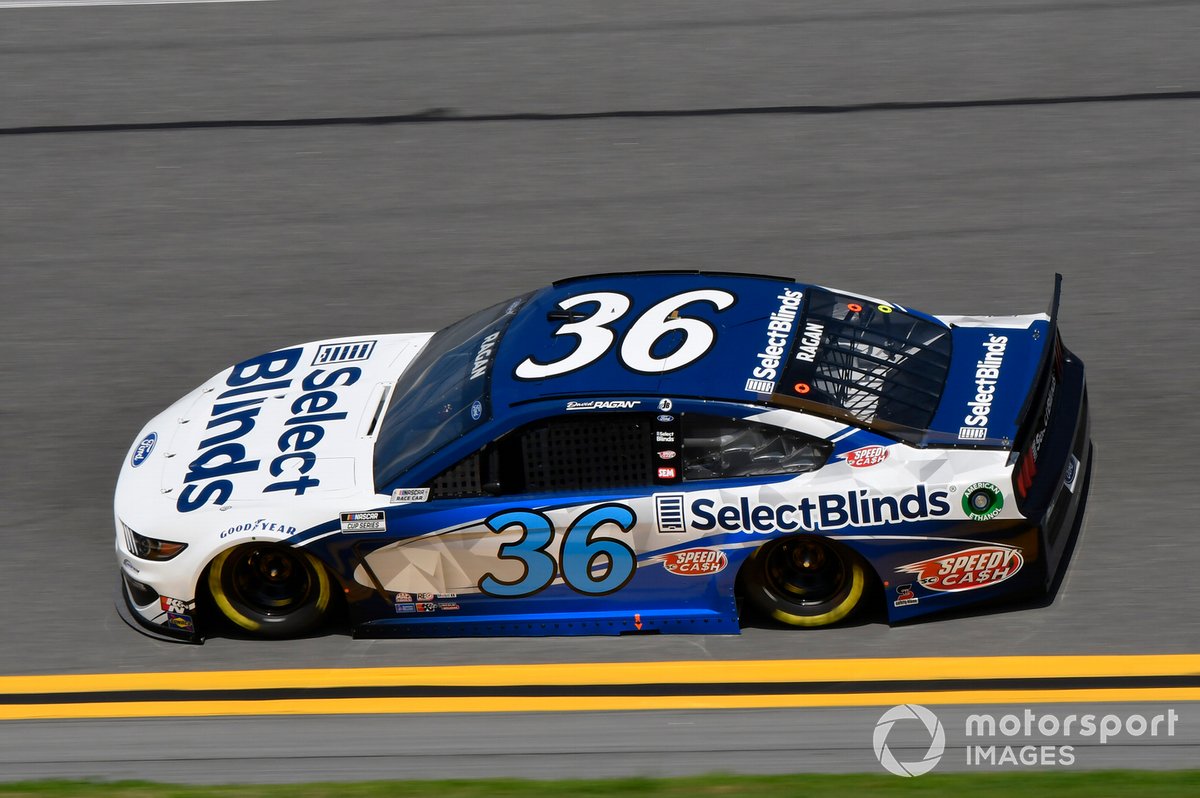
(909, 712)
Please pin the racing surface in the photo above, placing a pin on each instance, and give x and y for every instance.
(434, 158)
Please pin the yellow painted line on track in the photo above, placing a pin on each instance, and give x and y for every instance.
(435, 705)
(142, 692)
(615, 673)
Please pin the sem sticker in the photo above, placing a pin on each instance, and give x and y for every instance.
(969, 569)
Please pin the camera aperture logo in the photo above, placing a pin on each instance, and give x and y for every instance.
(909, 712)
(1025, 739)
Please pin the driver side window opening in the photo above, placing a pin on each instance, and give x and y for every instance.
(724, 448)
(617, 450)
(564, 453)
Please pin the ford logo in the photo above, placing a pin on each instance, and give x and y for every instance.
(143, 449)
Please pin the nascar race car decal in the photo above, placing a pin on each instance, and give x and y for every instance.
(613, 454)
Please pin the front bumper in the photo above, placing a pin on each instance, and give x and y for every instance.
(131, 614)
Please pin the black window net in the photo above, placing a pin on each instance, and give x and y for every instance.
(460, 480)
(603, 451)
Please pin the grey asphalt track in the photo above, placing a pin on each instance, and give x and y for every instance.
(151, 233)
(554, 745)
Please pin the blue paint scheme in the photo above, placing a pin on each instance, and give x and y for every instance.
(741, 333)
(653, 599)
(1017, 372)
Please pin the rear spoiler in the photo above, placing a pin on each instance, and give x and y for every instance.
(1027, 415)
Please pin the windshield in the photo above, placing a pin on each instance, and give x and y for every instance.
(443, 393)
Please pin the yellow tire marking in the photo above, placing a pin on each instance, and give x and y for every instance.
(857, 583)
(218, 593)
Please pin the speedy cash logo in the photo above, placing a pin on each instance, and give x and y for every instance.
(696, 562)
(969, 569)
(866, 456)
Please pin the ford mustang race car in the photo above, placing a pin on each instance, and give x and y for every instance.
(647, 452)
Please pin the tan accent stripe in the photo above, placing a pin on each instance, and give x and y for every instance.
(385, 706)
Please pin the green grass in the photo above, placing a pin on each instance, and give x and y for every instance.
(1094, 784)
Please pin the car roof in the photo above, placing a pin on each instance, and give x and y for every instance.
(726, 336)
(740, 332)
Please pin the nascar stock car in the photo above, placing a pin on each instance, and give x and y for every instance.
(644, 452)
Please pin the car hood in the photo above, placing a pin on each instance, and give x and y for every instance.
(290, 431)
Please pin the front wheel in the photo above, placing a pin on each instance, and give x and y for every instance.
(805, 581)
(270, 590)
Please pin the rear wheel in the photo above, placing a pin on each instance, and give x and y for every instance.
(270, 590)
(805, 581)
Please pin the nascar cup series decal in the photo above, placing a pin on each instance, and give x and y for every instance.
(371, 521)
(969, 569)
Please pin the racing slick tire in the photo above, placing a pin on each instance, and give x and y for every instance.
(270, 590)
(804, 581)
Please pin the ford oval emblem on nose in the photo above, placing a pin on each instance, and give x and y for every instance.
(143, 449)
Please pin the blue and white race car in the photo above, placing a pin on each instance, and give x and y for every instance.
(649, 452)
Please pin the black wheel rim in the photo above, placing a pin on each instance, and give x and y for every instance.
(806, 571)
(271, 580)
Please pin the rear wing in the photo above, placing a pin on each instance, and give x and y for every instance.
(1035, 407)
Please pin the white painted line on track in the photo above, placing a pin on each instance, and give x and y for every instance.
(86, 3)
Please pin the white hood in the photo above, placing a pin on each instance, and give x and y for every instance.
(285, 438)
